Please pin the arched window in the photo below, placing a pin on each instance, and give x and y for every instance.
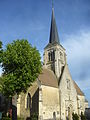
(28, 101)
(49, 56)
(54, 115)
(53, 55)
(68, 84)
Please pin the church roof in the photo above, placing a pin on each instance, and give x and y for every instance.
(48, 78)
(54, 38)
(79, 92)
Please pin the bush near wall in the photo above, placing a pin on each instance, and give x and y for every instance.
(6, 118)
(19, 118)
(34, 116)
(75, 116)
(83, 117)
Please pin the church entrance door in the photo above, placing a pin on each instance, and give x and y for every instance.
(70, 113)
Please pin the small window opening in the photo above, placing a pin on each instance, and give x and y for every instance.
(28, 101)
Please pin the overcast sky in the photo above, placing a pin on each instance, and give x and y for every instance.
(30, 19)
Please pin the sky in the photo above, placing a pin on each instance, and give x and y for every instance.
(31, 19)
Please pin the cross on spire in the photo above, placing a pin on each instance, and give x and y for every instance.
(52, 4)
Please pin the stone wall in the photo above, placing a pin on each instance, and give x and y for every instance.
(50, 103)
(58, 62)
(81, 104)
(68, 95)
(22, 110)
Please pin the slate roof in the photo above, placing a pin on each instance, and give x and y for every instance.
(79, 92)
(48, 78)
(54, 38)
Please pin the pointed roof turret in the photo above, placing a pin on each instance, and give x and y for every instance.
(54, 38)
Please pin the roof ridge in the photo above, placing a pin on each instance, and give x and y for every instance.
(78, 90)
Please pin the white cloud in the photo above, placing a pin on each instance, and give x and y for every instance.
(78, 45)
(78, 56)
(84, 85)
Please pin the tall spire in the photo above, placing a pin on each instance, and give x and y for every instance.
(54, 38)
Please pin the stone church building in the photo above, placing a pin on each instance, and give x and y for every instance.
(54, 96)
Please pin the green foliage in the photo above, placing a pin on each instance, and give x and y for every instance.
(34, 116)
(0, 44)
(1, 53)
(75, 116)
(19, 118)
(83, 117)
(1, 84)
(6, 118)
(21, 66)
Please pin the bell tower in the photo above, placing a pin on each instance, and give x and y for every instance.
(54, 54)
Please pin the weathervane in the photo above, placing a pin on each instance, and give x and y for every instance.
(52, 4)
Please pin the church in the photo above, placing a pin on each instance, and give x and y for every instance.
(54, 95)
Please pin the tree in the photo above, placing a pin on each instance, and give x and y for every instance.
(21, 66)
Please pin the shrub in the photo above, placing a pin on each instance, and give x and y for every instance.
(20, 118)
(83, 117)
(75, 116)
(34, 116)
(6, 118)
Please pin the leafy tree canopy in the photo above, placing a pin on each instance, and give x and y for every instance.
(21, 66)
(1, 84)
